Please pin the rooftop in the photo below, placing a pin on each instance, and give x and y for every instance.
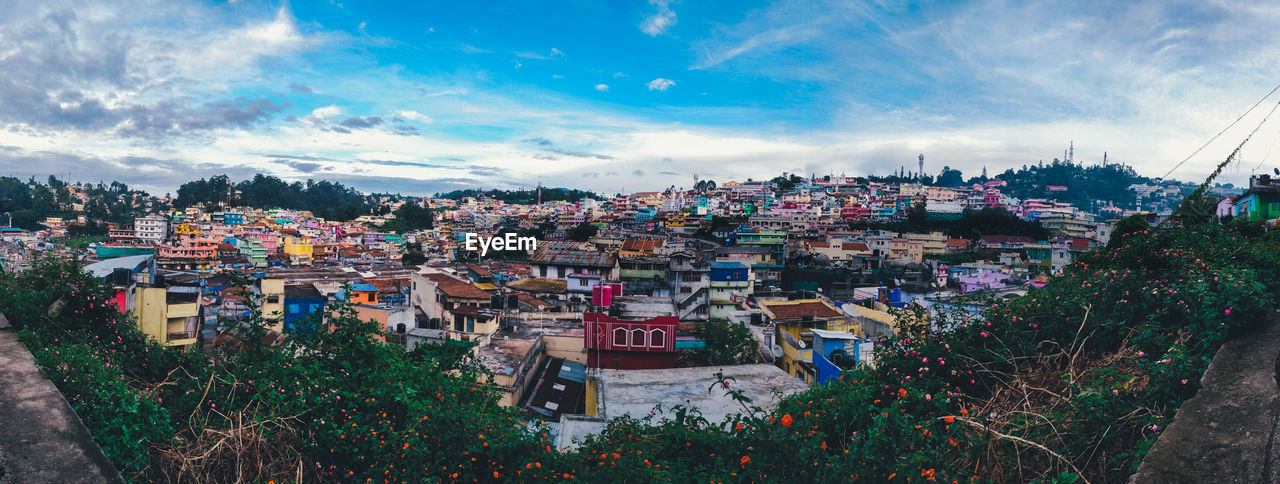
(795, 310)
(636, 392)
(454, 287)
(537, 285)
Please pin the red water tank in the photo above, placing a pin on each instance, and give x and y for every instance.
(606, 296)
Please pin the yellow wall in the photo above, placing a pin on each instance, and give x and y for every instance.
(570, 348)
(298, 246)
(273, 311)
(150, 312)
(157, 318)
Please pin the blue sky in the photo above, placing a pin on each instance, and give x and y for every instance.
(420, 97)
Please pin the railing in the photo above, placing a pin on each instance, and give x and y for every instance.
(182, 335)
(702, 290)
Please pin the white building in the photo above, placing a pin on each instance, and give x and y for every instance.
(152, 229)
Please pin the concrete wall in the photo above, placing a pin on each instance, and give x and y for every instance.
(41, 437)
(1227, 432)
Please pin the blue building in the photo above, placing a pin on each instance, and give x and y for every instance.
(300, 302)
(645, 215)
(233, 218)
(835, 352)
(729, 271)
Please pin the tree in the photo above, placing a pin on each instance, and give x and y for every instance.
(949, 178)
(582, 233)
(413, 258)
(1128, 225)
(726, 343)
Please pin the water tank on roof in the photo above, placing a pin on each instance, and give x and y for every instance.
(400, 327)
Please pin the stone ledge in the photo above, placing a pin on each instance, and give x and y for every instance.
(1225, 432)
(41, 437)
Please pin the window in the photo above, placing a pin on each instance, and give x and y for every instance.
(471, 325)
(293, 308)
(457, 322)
(637, 338)
(657, 338)
(619, 337)
(273, 299)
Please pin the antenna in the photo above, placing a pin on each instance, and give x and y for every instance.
(1071, 152)
(921, 165)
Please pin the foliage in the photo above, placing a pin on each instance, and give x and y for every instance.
(972, 224)
(410, 216)
(582, 232)
(726, 343)
(30, 202)
(1088, 187)
(949, 178)
(413, 258)
(1127, 226)
(523, 196)
(324, 199)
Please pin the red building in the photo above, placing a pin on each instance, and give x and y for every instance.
(630, 344)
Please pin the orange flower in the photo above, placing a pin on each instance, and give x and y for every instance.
(902, 392)
(786, 421)
(745, 460)
(948, 419)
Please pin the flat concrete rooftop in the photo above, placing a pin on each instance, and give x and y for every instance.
(637, 392)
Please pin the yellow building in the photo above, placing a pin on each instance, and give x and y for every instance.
(793, 324)
(187, 229)
(272, 303)
(299, 250)
(169, 315)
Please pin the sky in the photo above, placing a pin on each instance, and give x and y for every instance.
(624, 96)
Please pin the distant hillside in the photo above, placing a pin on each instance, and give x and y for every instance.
(1088, 187)
(523, 196)
(30, 202)
(329, 200)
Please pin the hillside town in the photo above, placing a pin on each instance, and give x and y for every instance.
(611, 299)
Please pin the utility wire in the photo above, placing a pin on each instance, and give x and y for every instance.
(1224, 130)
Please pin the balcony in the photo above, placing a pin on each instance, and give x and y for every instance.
(180, 335)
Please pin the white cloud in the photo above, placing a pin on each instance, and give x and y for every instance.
(415, 116)
(326, 112)
(660, 20)
(602, 87)
(660, 84)
(557, 52)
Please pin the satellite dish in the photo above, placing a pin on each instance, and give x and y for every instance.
(1277, 170)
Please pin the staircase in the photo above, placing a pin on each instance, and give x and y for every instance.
(687, 306)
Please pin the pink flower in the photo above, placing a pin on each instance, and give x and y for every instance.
(1228, 311)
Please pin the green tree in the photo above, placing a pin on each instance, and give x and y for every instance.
(413, 258)
(726, 343)
(582, 232)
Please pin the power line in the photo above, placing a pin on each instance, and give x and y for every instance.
(1224, 130)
